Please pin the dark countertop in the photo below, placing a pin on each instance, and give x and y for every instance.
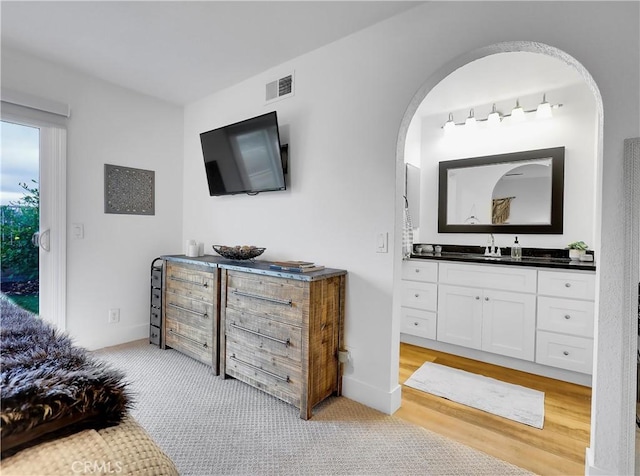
(255, 266)
(534, 257)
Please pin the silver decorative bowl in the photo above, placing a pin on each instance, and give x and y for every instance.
(238, 252)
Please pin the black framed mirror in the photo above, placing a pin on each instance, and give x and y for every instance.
(516, 193)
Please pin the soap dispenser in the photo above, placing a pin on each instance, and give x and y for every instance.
(516, 250)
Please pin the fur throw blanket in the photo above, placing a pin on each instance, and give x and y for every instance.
(51, 387)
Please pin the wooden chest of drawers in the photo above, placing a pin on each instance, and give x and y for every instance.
(190, 316)
(282, 335)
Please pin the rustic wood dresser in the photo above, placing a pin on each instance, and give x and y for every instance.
(190, 310)
(275, 330)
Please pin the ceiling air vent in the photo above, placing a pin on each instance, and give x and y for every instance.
(280, 88)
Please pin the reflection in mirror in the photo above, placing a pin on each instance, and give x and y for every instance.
(520, 192)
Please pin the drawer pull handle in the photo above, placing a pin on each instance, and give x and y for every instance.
(417, 295)
(284, 302)
(417, 270)
(567, 316)
(255, 333)
(186, 309)
(566, 352)
(567, 285)
(486, 298)
(171, 331)
(188, 281)
(260, 369)
(477, 298)
(416, 324)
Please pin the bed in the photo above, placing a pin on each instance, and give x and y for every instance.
(62, 410)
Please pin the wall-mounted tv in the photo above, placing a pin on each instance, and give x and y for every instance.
(244, 157)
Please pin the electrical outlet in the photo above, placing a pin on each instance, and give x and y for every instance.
(114, 316)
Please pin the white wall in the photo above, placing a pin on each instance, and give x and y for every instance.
(109, 268)
(573, 126)
(342, 125)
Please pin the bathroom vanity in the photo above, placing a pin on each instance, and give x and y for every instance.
(534, 314)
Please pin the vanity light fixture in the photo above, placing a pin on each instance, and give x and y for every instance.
(517, 113)
(494, 117)
(544, 109)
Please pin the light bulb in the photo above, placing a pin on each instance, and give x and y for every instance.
(471, 120)
(544, 109)
(517, 113)
(450, 124)
(494, 117)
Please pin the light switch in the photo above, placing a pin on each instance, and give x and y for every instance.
(77, 230)
(382, 242)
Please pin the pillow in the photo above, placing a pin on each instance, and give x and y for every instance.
(50, 387)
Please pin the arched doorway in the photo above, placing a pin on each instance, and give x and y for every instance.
(451, 67)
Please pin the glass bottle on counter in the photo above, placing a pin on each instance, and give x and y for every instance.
(516, 250)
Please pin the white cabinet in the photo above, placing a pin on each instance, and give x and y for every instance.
(541, 316)
(419, 294)
(565, 320)
(509, 324)
(488, 307)
(501, 322)
(460, 316)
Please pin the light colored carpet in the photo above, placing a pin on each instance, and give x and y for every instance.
(211, 426)
(515, 402)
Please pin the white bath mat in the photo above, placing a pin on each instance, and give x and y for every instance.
(515, 402)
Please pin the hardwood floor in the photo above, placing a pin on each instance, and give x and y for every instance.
(557, 449)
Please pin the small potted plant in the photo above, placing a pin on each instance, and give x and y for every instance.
(577, 249)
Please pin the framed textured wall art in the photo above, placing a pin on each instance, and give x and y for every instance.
(129, 191)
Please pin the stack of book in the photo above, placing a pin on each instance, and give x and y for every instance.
(295, 266)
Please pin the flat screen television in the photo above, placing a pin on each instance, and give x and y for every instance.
(244, 157)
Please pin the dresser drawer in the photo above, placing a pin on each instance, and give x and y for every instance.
(277, 338)
(189, 340)
(194, 283)
(198, 314)
(418, 323)
(506, 278)
(278, 377)
(156, 277)
(154, 335)
(566, 316)
(278, 298)
(156, 318)
(156, 297)
(420, 295)
(415, 270)
(565, 352)
(565, 284)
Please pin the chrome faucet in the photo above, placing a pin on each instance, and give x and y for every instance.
(491, 249)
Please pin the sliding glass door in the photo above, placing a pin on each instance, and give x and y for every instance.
(33, 215)
(20, 214)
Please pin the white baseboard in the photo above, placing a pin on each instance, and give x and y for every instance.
(119, 335)
(590, 469)
(385, 402)
(495, 359)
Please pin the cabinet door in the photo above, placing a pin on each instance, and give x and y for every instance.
(509, 324)
(460, 316)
